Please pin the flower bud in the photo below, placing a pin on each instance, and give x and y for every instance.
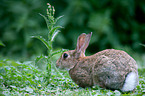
(47, 11)
(53, 10)
(48, 4)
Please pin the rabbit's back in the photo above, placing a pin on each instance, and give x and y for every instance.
(112, 67)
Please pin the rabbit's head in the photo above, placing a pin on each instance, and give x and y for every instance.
(70, 58)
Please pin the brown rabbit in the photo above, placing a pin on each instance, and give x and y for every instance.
(111, 69)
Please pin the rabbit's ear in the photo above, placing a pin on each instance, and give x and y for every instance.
(83, 42)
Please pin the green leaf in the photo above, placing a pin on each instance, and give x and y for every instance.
(13, 86)
(2, 64)
(38, 58)
(46, 20)
(142, 45)
(44, 41)
(58, 18)
(28, 89)
(53, 30)
(1, 43)
(54, 35)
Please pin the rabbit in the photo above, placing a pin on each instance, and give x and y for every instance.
(110, 69)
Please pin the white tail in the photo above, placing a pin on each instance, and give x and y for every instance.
(130, 83)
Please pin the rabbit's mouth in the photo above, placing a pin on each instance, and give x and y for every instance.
(58, 65)
(62, 68)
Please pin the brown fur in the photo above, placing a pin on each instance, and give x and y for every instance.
(107, 68)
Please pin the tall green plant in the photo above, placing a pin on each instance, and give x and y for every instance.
(53, 31)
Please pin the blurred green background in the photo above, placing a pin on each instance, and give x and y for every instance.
(118, 24)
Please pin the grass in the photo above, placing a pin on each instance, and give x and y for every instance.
(41, 77)
(26, 79)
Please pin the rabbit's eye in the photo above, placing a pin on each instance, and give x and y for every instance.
(65, 55)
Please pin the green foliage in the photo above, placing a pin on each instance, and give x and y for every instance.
(114, 23)
(18, 78)
(110, 21)
(53, 30)
(19, 21)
